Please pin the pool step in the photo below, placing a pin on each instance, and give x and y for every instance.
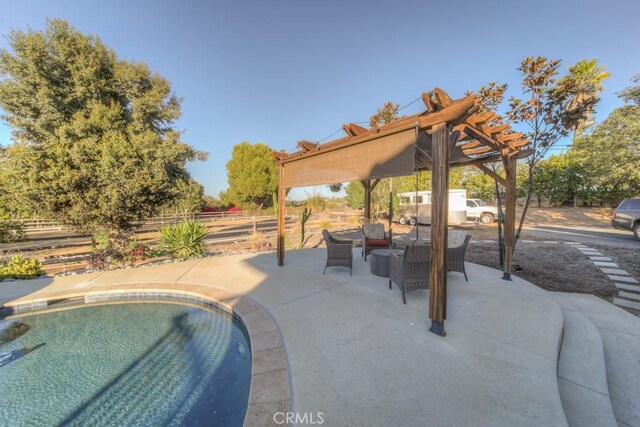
(582, 374)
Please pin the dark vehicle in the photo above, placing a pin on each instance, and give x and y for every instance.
(627, 216)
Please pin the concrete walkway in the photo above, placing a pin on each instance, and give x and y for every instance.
(361, 357)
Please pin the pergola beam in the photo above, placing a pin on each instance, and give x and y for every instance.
(487, 139)
(307, 145)
(479, 150)
(442, 98)
(508, 137)
(353, 129)
(495, 130)
(491, 173)
(428, 103)
(482, 118)
(517, 144)
(471, 144)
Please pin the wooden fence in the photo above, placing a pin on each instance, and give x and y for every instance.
(37, 224)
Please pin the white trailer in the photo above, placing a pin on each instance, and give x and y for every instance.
(422, 200)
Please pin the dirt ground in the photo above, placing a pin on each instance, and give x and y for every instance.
(626, 259)
(551, 266)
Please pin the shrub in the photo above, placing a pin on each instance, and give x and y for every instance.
(99, 259)
(355, 220)
(183, 240)
(326, 224)
(127, 249)
(316, 202)
(18, 267)
(117, 247)
(10, 231)
(139, 252)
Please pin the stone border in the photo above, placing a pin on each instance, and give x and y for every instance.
(270, 389)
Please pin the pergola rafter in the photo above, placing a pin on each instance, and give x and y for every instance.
(448, 133)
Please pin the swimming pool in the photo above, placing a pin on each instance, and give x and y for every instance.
(124, 364)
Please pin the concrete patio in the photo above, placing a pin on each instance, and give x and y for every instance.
(514, 354)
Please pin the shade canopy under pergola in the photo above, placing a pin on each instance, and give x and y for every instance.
(448, 133)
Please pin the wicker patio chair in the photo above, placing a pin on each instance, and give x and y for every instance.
(338, 252)
(455, 257)
(373, 237)
(410, 271)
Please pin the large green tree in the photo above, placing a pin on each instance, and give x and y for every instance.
(478, 185)
(631, 95)
(611, 154)
(559, 178)
(252, 175)
(190, 199)
(13, 204)
(92, 134)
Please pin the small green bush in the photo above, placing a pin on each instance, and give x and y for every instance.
(119, 247)
(183, 240)
(17, 267)
(355, 220)
(326, 224)
(10, 231)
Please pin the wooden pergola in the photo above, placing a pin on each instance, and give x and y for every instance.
(448, 133)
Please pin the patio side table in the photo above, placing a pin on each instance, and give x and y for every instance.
(380, 261)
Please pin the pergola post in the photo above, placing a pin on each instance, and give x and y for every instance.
(368, 188)
(510, 164)
(439, 207)
(367, 200)
(282, 194)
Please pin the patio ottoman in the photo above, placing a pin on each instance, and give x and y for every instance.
(380, 261)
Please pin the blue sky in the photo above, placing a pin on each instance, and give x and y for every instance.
(280, 71)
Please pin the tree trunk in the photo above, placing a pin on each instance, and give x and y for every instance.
(527, 202)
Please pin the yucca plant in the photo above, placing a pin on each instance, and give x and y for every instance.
(183, 240)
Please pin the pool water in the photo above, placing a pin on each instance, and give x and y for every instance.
(124, 364)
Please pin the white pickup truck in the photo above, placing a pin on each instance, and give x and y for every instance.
(477, 209)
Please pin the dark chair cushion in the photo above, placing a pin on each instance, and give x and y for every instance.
(377, 242)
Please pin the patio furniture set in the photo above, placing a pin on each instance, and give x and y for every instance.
(408, 268)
